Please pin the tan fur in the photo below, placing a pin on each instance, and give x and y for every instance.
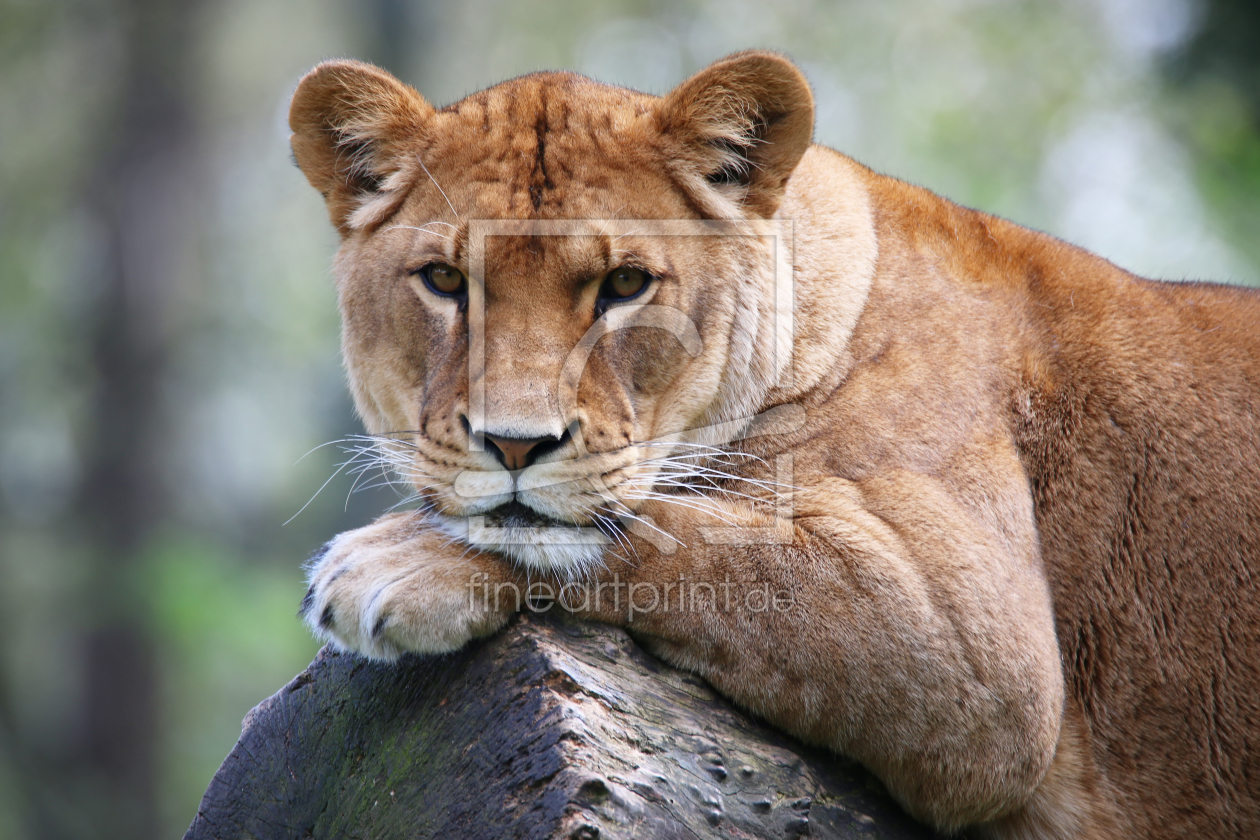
(1021, 516)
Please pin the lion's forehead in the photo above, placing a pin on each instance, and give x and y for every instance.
(550, 103)
(549, 145)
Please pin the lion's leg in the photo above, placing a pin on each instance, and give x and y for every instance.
(399, 585)
(1072, 801)
(889, 622)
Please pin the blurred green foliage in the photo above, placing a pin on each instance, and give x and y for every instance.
(1216, 76)
(1129, 126)
(222, 620)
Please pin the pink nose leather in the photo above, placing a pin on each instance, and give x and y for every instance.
(515, 450)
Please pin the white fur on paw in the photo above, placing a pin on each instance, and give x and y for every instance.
(381, 598)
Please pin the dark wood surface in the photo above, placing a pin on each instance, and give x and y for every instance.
(549, 729)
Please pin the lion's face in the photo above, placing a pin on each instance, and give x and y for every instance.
(532, 300)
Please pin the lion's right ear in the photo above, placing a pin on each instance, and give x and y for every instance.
(352, 126)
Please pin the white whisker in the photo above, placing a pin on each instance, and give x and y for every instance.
(439, 188)
(692, 502)
(422, 229)
(627, 514)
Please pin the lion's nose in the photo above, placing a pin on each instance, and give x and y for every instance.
(519, 453)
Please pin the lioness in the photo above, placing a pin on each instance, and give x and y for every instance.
(998, 500)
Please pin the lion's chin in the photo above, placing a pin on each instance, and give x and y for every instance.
(531, 539)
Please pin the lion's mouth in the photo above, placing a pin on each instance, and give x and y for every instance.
(514, 514)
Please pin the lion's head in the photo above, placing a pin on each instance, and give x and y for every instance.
(544, 283)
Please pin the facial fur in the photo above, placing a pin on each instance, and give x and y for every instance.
(601, 165)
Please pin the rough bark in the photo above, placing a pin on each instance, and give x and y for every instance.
(549, 729)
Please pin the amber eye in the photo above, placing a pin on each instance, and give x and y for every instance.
(442, 279)
(623, 283)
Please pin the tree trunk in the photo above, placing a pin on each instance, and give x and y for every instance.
(549, 729)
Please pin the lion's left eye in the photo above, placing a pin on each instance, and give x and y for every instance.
(623, 283)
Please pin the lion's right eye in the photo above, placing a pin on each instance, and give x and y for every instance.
(444, 280)
(623, 283)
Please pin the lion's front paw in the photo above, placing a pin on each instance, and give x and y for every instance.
(380, 594)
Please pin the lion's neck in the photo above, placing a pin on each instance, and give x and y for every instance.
(828, 230)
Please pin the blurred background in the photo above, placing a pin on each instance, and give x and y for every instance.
(168, 334)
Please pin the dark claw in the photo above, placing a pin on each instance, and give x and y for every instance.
(307, 601)
(319, 555)
(326, 620)
(380, 627)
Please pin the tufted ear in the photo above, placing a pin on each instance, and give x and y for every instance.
(737, 129)
(352, 124)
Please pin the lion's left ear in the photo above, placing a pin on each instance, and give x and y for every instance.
(736, 130)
